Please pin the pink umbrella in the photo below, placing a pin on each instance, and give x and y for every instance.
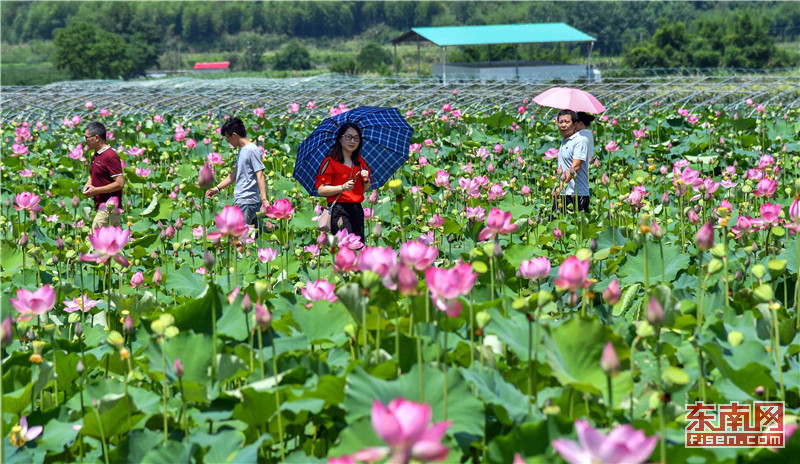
(566, 98)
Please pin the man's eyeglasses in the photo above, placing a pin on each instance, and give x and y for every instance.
(87, 137)
(351, 138)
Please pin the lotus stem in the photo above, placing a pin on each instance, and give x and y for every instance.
(102, 434)
(277, 393)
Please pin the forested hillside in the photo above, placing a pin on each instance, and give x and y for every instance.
(147, 35)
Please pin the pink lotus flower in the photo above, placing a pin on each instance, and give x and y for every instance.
(77, 152)
(104, 112)
(19, 149)
(382, 261)
(311, 105)
(573, 274)
(557, 234)
(403, 425)
(442, 179)
(191, 143)
(794, 211)
(692, 120)
(535, 268)
(313, 249)
(636, 196)
(407, 280)
(551, 153)
(89, 105)
(765, 187)
(266, 255)
(319, 290)
(622, 444)
(345, 260)
(612, 146)
(294, 107)
(683, 112)
(214, 158)
(445, 286)
(498, 222)
(477, 213)
(33, 304)
(21, 434)
(281, 209)
(417, 255)
(770, 213)
(26, 201)
(259, 112)
(158, 118)
(143, 172)
(230, 223)
(137, 279)
(436, 221)
(107, 242)
(134, 151)
(348, 240)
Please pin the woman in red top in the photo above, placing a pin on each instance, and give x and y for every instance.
(343, 177)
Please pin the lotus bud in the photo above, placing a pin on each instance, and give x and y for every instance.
(177, 365)
(373, 197)
(322, 239)
(157, 277)
(6, 332)
(208, 260)
(655, 313)
(612, 293)
(127, 326)
(75, 201)
(179, 223)
(263, 317)
(23, 241)
(55, 258)
(80, 367)
(656, 230)
(609, 361)
(747, 261)
(665, 198)
(78, 329)
(247, 303)
(705, 236)
(377, 232)
(59, 243)
(605, 180)
(738, 276)
(160, 225)
(593, 245)
(339, 223)
(759, 390)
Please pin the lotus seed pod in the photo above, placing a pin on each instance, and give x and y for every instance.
(714, 266)
(482, 319)
(735, 338)
(261, 287)
(758, 271)
(763, 293)
(719, 251)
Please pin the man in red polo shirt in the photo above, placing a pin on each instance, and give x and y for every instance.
(106, 180)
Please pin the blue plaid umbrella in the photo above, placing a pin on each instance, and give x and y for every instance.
(386, 137)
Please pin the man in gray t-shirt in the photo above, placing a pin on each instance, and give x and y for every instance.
(250, 192)
(573, 164)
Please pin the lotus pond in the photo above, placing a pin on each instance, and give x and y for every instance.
(472, 326)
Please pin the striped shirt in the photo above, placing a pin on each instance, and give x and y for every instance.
(575, 147)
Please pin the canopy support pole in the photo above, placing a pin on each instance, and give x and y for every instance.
(444, 69)
(589, 63)
(419, 60)
(395, 59)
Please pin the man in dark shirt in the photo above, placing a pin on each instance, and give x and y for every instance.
(106, 180)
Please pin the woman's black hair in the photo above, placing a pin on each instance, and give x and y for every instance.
(336, 151)
(585, 118)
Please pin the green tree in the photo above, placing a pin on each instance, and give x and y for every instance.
(86, 51)
(372, 56)
(293, 55)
